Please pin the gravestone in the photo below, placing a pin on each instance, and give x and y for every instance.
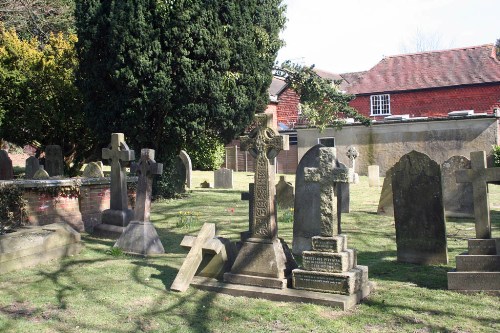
(418, 210)
(479, 268)
(262, 260)
(385, 203)
(206, 184)
(41, 174)
(330, 267)
(140, 236)
(344, 197)
(32, 165)
(179, 175)
(373, 175)
(284, 194)
(117, 217)
(54, 162)
(352, 154)
(93, 170)
(457, 197)
(6, 170)
(223, 178)
(186, 160)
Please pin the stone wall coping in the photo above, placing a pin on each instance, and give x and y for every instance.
(34, 183)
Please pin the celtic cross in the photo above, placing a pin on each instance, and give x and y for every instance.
(145, 169)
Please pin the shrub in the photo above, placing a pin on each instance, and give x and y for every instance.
(496, 155)
(206, 152)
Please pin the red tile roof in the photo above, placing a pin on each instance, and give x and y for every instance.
(350, 79)
(455, 67)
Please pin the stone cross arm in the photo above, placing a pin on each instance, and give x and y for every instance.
(333, 175)
(122, 155)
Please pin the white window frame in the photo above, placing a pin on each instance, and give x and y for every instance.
(378, 107)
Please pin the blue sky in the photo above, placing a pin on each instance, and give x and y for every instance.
(353, 35)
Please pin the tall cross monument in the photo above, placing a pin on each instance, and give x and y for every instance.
(262, 259)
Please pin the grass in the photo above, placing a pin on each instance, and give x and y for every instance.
(101, 290)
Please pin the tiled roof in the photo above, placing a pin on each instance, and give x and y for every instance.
(327, 75)
(455, 67)
(350, 78)
(277, 86)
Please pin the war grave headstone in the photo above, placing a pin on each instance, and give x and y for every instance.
(373, 175)
(6, 170)
(330, 266)
(262, 260)
(223, 178)
(306, 215)
(385, 203)
(284, 194)
(186, 160)
(93, 170)
(418, 210)
(31, 166)
(117, 217)
(479, 268)
(54, 162)
(352, 154)
(457, 197)
(140, 236)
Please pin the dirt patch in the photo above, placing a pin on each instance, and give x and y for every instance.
(26, 310)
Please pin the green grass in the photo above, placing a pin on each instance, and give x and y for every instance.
(101, 290)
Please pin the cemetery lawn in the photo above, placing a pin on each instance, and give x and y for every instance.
(101, 290)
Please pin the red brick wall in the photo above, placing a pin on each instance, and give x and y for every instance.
(288, 107)
(437, 102)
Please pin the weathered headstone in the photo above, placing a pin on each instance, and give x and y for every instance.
(418, 210)
(479, 268)
(385, 203)
(352, 154)
(186, 160)
(32, 165)
(179, 175)
(223, 178)
(284, 193)
(140, 235)
(41, 174)
(330, 266)
(117, 217)
(54, 163)
(6, 170)
(373, 175)
(262, 260)
(93, 170)
(344, 197)
(457, 197)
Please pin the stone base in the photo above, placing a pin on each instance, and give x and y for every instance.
(343, 302)
(140, 238)
(35, 245)
(259, 281)
(108, 231)
(119, 218)
(329, 244)
(346, 283)
(478, 263)
(484, 246)
(474, 281)
(329, 261)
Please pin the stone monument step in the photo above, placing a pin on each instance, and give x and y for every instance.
(329, 261)
(489, 246)
(344, 302)
(346, 283)
(108, 231)
(140, 238)
(474, 281)
(334, 244)
(478, 263)
(252, 280)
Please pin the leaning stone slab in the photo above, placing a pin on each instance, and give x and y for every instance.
(31, 246)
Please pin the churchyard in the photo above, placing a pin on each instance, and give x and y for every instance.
(104, 290)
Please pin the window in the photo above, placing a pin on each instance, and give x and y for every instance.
(328, 141)
(380, 105)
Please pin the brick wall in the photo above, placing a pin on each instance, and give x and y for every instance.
(47, 203)
(437, 102)
(288, 107)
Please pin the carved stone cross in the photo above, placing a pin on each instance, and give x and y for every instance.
(264, 144)
(145, 169)
(479, 175)
(327, 175)
(352, 154)
(119, 154)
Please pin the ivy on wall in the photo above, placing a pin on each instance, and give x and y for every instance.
(13, 212)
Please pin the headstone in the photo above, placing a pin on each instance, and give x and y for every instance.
(6, 170)
(54, 162)
(352, 154)
(93, 170)
(117, 217)
(262, 260)
(418, 210)
(373, 175)
(284, 194)
(223, 178)
(385, 203)
(41, 174)
(479, 268)
(186, 160)
(140, 236)
(457, 197)
(306, 215)
(344, 197)
(32, 165)
(180, 175)
(206, 184)
(330, 266)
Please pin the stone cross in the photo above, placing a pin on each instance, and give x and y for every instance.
(146, 168)
(327, 175)
(264, 144)
(119, 154)
(479, 175)
(352, 154)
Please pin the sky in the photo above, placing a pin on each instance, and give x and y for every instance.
(342, 36)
